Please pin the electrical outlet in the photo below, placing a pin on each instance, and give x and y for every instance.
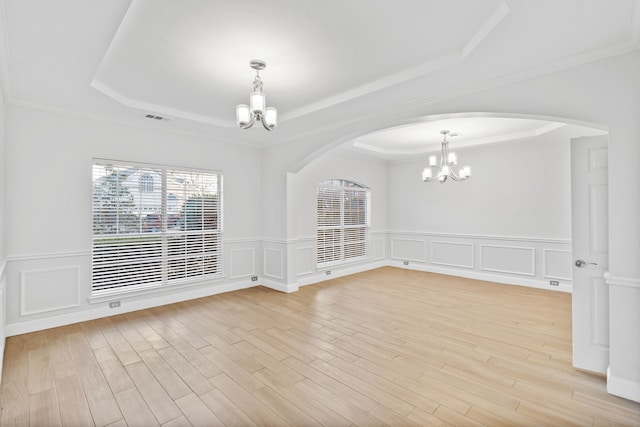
(328, 272)
(254, 278)
(554, 283)
(405, 262)
(114, 304)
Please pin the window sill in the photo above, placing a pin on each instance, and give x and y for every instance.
(104, 296)
(331, 264)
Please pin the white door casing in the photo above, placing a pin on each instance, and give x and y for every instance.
(590, 237)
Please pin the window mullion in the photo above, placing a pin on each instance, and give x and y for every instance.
(163, 215)
(342, 224)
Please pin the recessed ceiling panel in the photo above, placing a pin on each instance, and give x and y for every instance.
(190, 58)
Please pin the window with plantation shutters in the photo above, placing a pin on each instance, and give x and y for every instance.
(154, 226)
(343, 221)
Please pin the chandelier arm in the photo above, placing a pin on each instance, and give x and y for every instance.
(264, 122)
(248, 125)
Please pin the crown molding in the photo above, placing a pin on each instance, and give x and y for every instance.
(125, 122)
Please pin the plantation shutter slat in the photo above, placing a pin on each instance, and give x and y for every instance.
(154, 226)
(343, 221)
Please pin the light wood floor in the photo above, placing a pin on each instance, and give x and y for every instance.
(386, 347)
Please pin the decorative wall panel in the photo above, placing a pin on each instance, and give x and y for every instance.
(274, 263)
(508, 259)
(556, 264)
(408, 249)
(243, 262)
(452, 254)
(50, 289)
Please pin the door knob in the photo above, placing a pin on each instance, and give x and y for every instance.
(580, 263)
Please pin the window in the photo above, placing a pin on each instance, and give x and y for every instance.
(343, 221)
(164, 232)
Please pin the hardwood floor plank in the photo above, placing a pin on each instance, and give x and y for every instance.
(74, 410)
(100, 398)
(346, 409)
(135, 409)
(198, 360)
(391, 418)
(339, 389)
(232, 369)
(284, 408)
(162, 406)
(122, 348)
(164, 373)
(114, 372)
(379, 395)
(187, 372)
(225, 410)
(253, 408)
(40, 370)
(181, 421)
(307, 403)
(197, 412)
(286, 375)
(43, 409)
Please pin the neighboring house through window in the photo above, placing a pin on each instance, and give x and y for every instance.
(146, 183)
(154, 226)
(343, 222)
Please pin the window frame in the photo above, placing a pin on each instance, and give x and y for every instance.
(358, 219)
(203, 245)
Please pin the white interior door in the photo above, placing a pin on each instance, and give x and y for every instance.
(590, 236)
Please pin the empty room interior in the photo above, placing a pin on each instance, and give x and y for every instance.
(328, 213)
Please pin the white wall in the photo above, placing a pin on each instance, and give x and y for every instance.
(2, 226)
(511, 222)
(48, 206)
(518, 189)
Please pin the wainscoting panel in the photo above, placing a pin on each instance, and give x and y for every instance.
(409, 249)
(46, 290)
(452, 254)
(556, 264)
(243, 262)
(274, 263)
(305, 260)
(525, 261)
(379, 247)
(508, 259)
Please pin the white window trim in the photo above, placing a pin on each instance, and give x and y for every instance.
(164, 283)
(366, 226)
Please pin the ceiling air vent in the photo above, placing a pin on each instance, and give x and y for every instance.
(153, 116)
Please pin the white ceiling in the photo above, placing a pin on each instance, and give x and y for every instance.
(329, 63)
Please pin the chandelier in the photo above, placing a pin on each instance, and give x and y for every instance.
(247, 115)
(445, 169)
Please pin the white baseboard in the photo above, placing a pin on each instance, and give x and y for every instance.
(622, 387)
(126, 307)
(339, 271)
(470, 274)
(282, 287)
